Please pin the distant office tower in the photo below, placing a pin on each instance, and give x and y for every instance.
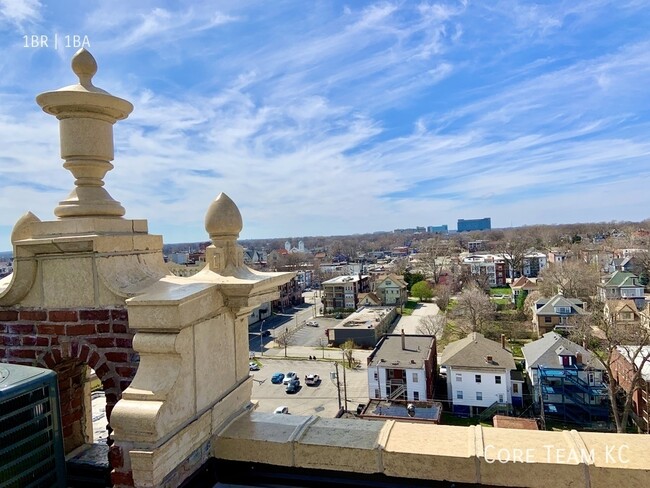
(474, 224)
(438, 229)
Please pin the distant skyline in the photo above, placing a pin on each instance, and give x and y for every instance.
(333, 118)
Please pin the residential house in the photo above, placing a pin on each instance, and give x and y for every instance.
(522, 285)
(622, 312)
(567, 381)
(626, 362)
(342, 292)
(403, 367)
(627, 263)
(364, 327)
(253, 257)
(555, 312)
(558, 256)
(479, 374)
(622, 285)
(276, 256)
(369, 300)
(391, 289)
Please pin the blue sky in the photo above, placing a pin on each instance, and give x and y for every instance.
(331, 118)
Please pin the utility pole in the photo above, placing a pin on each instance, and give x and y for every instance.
(262, 337)
(345, 386)
(338, 383)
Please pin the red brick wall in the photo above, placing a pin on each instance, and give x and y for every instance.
(65, 341)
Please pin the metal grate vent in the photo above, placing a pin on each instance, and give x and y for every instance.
(31, 446)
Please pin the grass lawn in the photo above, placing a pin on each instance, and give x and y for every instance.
(409, 307)
(501, 290)
(449, 419)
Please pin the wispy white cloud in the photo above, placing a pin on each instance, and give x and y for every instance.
(350, 117)
(20, 12)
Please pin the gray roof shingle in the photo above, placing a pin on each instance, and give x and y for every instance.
(471, 352)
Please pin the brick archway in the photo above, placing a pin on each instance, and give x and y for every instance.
(67, 341)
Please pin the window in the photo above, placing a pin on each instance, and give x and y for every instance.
(477, 378)
(459, 395)
(515, 388)
(500, 398)
(376, 375)
(376, 392)
(416, 396)
(497, 380)
(459, 377)
(548, 320)
(479, 395)
(415, 377)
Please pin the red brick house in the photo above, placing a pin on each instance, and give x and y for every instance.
(626, 361)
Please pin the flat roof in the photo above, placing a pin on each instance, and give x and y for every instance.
(344, 279)
(430, 411)
(364, 318)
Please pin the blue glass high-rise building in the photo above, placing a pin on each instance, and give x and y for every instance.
(466, 225)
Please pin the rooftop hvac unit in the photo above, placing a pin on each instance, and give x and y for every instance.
(31, 441)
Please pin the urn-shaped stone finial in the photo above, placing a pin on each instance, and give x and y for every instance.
(86, 116)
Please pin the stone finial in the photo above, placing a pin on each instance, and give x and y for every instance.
(85, 67)
(223, 223)
(223, 218)
(86, 116)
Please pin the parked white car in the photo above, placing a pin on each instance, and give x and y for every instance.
(289, 377)
(283, 409)
(312, 379)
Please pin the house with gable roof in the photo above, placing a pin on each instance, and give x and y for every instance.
(480, 373)
(391, 290)
(567, 380)
(551, 313)
(623, 312)
(622, 285)
(369, 300)
(522, 284)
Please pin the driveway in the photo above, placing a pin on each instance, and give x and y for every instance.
(409, 323)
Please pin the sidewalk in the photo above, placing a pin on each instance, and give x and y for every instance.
(303, 352)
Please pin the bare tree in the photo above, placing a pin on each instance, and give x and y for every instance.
(432, 325)
(530, 300)
(474, 308)
(615, 339)
(443, 296)
(433, 257)
(348, 351)
(575, 279)
(514, 251)
(285, 338)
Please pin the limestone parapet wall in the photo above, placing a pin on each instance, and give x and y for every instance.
(498, 457)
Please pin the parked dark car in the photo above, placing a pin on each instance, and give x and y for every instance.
(293, 386)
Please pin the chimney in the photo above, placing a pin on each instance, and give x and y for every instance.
(578, 358)
(403, 341)
(503, 341)
(488, 359)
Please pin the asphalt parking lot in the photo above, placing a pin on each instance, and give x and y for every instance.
(321, 400)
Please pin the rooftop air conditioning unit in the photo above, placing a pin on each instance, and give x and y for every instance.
(31, 441)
